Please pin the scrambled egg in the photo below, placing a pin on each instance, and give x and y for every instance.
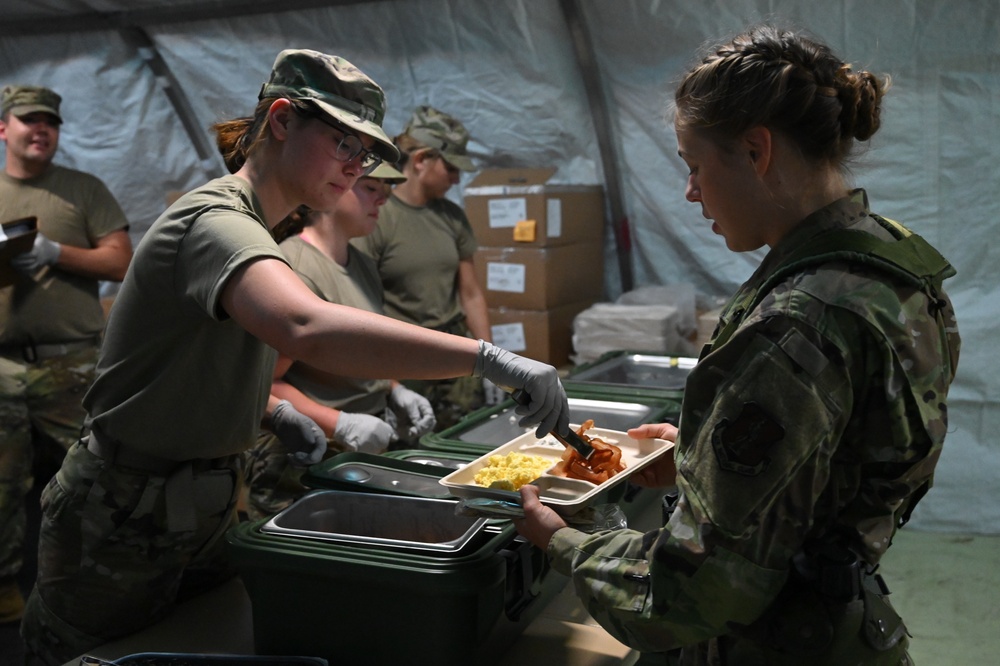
(515, 469)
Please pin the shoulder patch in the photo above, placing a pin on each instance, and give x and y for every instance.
(741, 446)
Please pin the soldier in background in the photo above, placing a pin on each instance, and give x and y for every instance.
(812, 424)
(51, 317)
(424, 249)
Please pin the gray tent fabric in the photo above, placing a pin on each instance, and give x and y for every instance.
(509, 70)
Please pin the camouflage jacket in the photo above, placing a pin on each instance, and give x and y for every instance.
(821, 415)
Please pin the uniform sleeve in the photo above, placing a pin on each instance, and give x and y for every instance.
(104, 215)
(215, 246)
(759, 425)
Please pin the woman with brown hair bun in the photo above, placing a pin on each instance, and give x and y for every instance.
(812, 423)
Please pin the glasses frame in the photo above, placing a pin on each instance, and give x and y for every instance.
(350, 147)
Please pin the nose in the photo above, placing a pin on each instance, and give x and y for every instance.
(353, 167)
(692, 192)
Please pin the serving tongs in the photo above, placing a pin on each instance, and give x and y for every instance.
(570, 440)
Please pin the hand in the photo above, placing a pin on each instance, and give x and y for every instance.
(539, 522)
(662, 472)
(364, 433)
(548, 405)
(415, 407)
(494, 394)
(300, 435)
(45, 252)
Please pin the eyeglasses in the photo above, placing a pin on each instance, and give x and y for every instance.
(350, 147)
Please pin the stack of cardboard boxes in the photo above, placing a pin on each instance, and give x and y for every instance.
(540, 258)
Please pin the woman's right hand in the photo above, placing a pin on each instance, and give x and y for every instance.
(547, 404)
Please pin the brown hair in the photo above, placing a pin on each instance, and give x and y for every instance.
(786, 82)
(294, 223)
(239, 138)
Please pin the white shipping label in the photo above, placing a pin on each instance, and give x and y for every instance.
(509, 336)
(553, 218)
(505, 277)
(507, 212)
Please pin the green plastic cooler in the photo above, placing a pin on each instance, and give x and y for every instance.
(373, 578)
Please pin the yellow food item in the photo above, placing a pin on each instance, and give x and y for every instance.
(516, 468)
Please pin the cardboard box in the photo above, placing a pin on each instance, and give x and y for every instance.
(544, 335)
(16, 237)
(537, 278)
(519, 207)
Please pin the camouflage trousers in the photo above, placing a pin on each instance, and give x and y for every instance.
(451, 399)
(272, 481)
(120, 546)
(41, 414)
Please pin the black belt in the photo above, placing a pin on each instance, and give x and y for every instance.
(126, 457)
(32, 353)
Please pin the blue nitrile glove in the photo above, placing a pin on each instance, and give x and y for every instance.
(45, 252)
(415, 408)
(492, 393)
(548, 405)
(304, 440)
(364, 432)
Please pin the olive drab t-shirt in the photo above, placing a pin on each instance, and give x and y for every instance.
(73, 208)
(177, 378)
(356, 285)
(417, 251)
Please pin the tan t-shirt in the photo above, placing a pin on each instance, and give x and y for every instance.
(177, 378)
(357, 285)
(73, 208)
(417, 251)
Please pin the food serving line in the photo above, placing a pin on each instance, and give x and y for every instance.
(406, 556)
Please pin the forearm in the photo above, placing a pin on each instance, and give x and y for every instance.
(325, 417)
(477, 318)
(350, 342)
(104, 262)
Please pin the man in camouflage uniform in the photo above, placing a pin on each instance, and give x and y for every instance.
(50, 317)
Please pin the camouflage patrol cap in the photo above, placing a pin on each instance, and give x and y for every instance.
(335, 87)
(388, 173)
(443, 133)
(22, 100)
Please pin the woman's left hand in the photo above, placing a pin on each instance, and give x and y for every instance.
(539, 522)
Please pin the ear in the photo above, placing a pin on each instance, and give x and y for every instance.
(757, 145)
(279, 116)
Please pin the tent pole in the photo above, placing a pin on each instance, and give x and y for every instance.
(207, 153)
(589, 71)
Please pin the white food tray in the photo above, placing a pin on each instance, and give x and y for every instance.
(565, 495)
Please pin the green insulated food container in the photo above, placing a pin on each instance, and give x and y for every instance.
(371, 578)
(368, 472)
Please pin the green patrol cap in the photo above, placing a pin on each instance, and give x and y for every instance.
(22, 100)
(443, 133)
(335, 87)
(388, 173)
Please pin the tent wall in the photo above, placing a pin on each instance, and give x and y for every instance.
(509, 70)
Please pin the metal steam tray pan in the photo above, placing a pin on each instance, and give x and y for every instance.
(637, 370)
(565, 495)
(373, 519)
(502, 427)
